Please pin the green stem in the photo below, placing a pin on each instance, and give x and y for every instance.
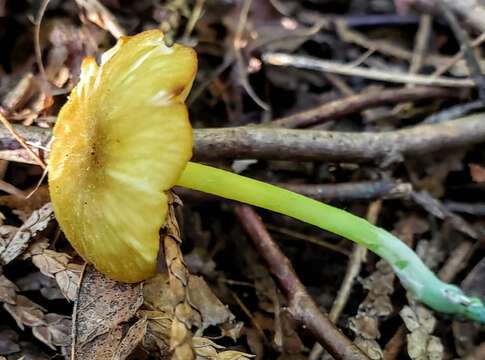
(412, 272)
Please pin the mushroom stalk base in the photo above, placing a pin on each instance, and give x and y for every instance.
(421, 282)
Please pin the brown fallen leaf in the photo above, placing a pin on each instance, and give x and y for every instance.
(36, 281)
(101, 311)
(8, 290)
(59, 266)
(376, 306)
(207, 349)
(132, 339)
(37, 222)
(211, 309)
(55, 332)
(25, 312)
(420, 343)
(184, 317)
(52, 329)
(102, 347)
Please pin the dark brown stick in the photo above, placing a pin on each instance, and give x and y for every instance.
(311, 145)
(350, 191)
(462, 38)
(302, 306)
(353, 104)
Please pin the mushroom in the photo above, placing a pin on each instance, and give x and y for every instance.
(123, 139)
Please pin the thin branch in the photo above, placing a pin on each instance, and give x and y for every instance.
(464, 41)
(311, 63)
(421, 43)
(351, 191)
(301, 305)
(458, 56)
(347, 191)
(22, 142)
(382, 46)
(38, 50)
(353, 270)
(472, 11)
(308, 145)
(353, 104)
(317, 145)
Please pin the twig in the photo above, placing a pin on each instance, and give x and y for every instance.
(456, 261)
(195, 15)
(352, 104)
(454, 112)
(12, 190)
(464, 41)
(302, 307)
(238, 44)
(308, 238)
(38, 51)
(284, 144)
(471, 10)
(394, 346)
(22, 142)
(421, 44)
(308, 145)
(311, 63)
(421, 41)
(347, 191)
(248, 313)
(359, 190)
(382, 46)
(477, 209)
(353, 269)
(458, 56)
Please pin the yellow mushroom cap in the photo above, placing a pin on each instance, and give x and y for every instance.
(121, 140)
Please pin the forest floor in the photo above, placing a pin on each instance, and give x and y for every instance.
(403, 76)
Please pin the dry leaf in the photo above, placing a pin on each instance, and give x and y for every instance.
(211, 309)
(207, 349)
(184, 316)
(59, 266)
(8, 290)
(102, 347)
(101, 16)
(52, 329)
(26, 312)
(55, 332)
(36, 281)
(421, 323)
(8, 341)
(133, 337)
(37, 222)
(193, 303)
(102, 306)
(377, 305)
